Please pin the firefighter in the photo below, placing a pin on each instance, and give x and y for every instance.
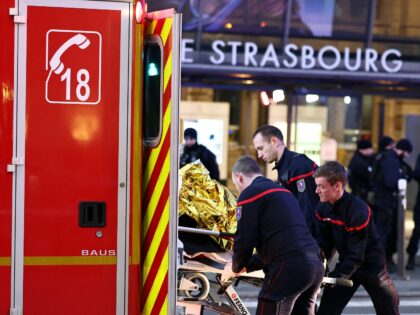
(193, 151)
(294, 170)
(360, 168)
(269, 220)
(388, 167)
(346, 226)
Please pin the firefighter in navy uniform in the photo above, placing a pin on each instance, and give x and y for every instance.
(388, 167)
(269, 220)
(346, 226)
(360, 169)
(294, 170)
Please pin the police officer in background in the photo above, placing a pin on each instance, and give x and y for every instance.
(269, 219)
(360, 168)
(346, 225)
(193, 151)
(388, 167)
(294, 170)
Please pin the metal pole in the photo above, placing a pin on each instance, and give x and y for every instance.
(205, 232)
(402, 205)
(290, 112)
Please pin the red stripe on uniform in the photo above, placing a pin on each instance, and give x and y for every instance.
(342, 223)
(362, 226)
(261, 195)
(302, 176)
(160, 300)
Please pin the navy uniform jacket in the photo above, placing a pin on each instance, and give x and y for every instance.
(269, 220)
(387, 170)
(295, 173)
(348, 227)
(359, 169)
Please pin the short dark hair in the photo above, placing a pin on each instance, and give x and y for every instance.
(268, 131)
(333, 171)
(247, 166)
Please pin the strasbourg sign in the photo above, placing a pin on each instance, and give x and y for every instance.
(305, 57)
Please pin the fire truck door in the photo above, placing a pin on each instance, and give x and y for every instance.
(70, 147)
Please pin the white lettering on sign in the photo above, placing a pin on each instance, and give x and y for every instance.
(251, 49)
(220, 54)
(305, 57)
(73, 63)
(185, 49)
(98, 252)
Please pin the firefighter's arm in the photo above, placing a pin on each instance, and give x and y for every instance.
(357, 238)
(245, 236)
(325, 238)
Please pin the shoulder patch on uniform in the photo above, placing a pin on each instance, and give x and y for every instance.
(300, 184)
(238, 213)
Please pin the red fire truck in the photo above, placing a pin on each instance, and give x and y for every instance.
(88, 139)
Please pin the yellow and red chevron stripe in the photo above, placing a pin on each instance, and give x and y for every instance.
(155, 194)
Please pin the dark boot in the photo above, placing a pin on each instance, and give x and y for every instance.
(411, 263)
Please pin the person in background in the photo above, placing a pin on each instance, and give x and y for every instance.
(346, 226)
(360, 168)
(269, 219)
(294, 170)
(413, 244)
(193, 151)
(385, 143)
(388, 167)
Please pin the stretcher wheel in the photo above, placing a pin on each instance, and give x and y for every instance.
(203, 286)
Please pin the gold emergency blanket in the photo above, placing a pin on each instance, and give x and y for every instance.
(208, 202)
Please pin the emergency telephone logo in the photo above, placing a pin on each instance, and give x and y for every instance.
(73, 67)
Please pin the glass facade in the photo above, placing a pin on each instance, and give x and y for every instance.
(347, 69)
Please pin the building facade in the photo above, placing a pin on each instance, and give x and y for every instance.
(327, 72)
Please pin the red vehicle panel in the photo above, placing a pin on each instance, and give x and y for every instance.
(72, 127)
(6, 151)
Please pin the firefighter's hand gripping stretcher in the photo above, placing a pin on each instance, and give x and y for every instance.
(227, 274)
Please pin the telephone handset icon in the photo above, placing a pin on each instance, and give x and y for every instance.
(55, 63)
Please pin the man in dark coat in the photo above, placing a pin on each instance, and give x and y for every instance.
(269, 220)
(360, 169)
(294, 170)
(193, 151)
(388, 167)
(346, 226)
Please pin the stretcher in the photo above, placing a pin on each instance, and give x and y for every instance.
(200, 288)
